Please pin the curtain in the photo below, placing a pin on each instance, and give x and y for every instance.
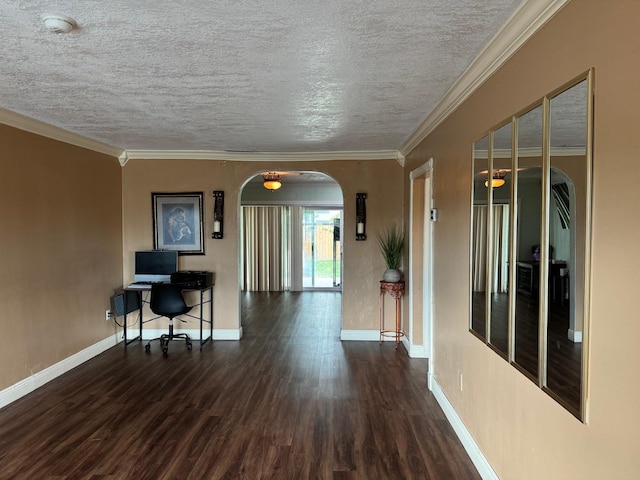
(500, 248)
(479, 253)
(561, 196)
(500, 267)
(266, 250)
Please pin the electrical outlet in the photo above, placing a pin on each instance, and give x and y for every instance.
(107, 315)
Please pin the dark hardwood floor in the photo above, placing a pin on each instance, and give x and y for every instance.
(564, 357)
(288, 401)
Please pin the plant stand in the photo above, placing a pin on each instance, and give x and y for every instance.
(396, 290)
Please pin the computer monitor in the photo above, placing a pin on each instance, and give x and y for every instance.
(155, 265)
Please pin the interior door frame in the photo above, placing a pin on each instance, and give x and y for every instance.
(420, 263)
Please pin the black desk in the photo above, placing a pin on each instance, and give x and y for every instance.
(140, 290)
(528, 280)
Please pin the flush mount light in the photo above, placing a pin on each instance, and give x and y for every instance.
(271, 181)
(497, 180)
(58, 23)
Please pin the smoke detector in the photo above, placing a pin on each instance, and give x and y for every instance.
(58, 23)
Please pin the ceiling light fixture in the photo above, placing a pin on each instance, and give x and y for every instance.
(497, 180)
(58, 23)
(271, 181)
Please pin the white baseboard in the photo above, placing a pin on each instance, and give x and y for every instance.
(362, 335)
(414, 351)
(575, 336)
(469, 444)
(29, 384)
(194, 333)
(227, 333)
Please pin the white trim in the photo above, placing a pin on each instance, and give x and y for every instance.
(29, 384)
(40, 128)
(123, 158)
(426, 251)
(227, 333)
(194, 333)
(422, 169)
(362, 335)
(519, 28)
(22, 122)
(530, 17)
(414, 351)
(369, 336)
(469, 444)
(262, 156)
(575, 335)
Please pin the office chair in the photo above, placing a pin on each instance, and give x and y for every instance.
(167, 301)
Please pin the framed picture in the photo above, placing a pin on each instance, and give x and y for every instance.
(178, 222)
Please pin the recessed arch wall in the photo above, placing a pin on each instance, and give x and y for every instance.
(300, 190)
(382, 180)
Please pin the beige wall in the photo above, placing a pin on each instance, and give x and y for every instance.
(61, 246)
(523, 433)
(363, 264)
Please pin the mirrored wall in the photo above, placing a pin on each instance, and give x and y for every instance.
(530, 230)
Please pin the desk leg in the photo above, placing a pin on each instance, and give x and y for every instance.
(210, 337)
(140, 312)
(124, 319)
(139, 337)
(201, 308)
(211, 313)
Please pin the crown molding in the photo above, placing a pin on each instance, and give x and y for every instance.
(22, 122)
(31, 125)
(527, 20)
(530, 17)
(260, 156)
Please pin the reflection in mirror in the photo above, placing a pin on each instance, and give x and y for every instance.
(569, 176)
(479, 197)
(536, 269)
(528, 204)
(499, 238)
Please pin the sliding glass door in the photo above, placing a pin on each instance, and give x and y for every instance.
(322, 248)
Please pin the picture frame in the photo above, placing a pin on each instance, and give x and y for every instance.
(178, 222)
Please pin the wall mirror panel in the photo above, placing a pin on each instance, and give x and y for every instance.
(568, 205)
(498, 239)
(530, 241)
(479, 220)
(528, 202)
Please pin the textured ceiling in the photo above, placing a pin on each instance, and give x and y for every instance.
(242, 75)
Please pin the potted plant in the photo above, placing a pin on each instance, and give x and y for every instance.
(391, 242)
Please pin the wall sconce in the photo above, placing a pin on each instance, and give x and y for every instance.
(218, 196)
(361, 216)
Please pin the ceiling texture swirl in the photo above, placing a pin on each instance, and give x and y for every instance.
(293, 77)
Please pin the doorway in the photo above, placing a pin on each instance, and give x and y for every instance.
(422, 216)
(322, 249)
(290, 238)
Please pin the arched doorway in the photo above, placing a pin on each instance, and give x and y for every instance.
(290, 237)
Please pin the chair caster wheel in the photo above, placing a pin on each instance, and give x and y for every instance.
(189, 346)
(165, 352)
(147, 348)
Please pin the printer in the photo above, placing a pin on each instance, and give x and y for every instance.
(196, 279)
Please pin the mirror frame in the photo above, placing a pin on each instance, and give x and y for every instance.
(544, 294)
